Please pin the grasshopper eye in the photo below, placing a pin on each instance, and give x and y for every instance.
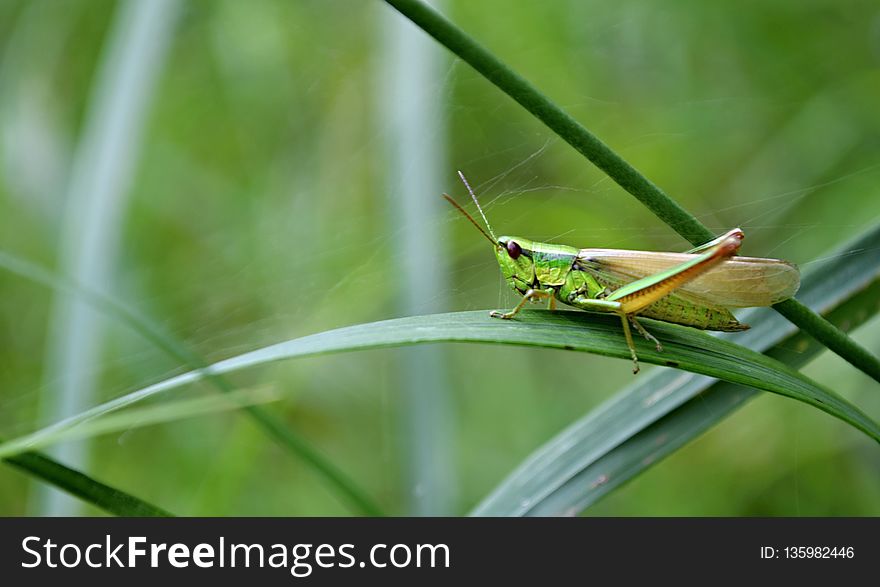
(514, 250)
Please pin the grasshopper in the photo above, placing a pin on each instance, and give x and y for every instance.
(696, 288)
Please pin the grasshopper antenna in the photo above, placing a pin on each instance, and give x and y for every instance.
(477, 202)
(471, 218)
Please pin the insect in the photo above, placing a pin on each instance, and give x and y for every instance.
(696, 288)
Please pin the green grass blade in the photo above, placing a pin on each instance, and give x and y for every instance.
(651, 418)
(685, 348)
(147, 416)
(556, 119)
(833, 338)
(615, 166)
(281, 432)
(101, 495)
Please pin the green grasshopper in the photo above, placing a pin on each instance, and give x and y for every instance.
(695, 288)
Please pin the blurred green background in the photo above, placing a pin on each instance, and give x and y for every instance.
(250, 172)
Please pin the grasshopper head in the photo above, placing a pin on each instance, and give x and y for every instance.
(514, 255)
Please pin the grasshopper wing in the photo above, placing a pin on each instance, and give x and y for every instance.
(739, 282)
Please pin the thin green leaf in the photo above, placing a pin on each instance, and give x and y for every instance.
(685, 348)
(147, 416)
(101, 495)
(651, 418)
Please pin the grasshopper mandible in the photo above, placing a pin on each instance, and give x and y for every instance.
(695, 288)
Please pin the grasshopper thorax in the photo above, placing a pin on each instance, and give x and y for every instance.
(526, 263)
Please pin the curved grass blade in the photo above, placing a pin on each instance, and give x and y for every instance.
(651, 418)
(101, 495)
(280, 431)
(147, 416)
(685, 348)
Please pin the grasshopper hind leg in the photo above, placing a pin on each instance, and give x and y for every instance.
(625, 319)
(629, 342)
(650, 337)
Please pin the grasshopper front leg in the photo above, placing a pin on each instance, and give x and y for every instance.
(529, 296)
